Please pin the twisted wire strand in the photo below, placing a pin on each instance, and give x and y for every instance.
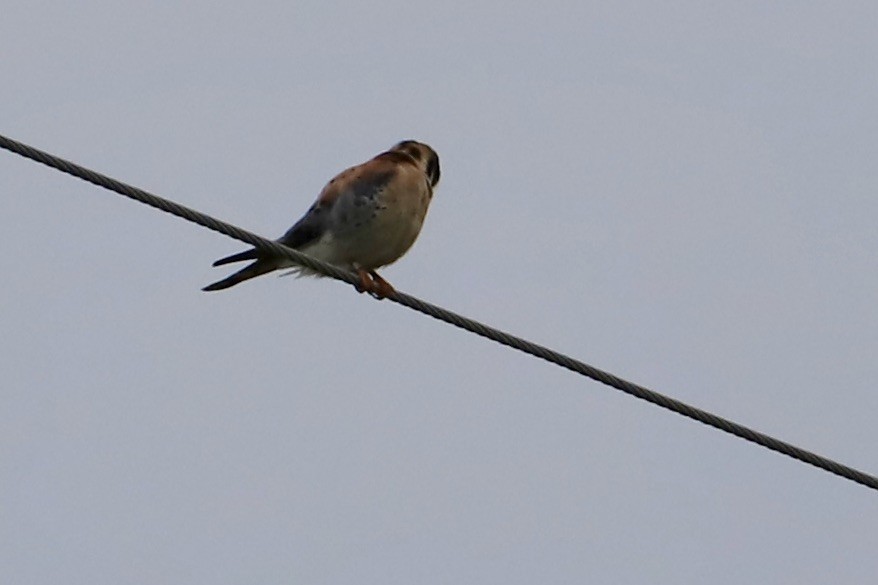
(447, 316)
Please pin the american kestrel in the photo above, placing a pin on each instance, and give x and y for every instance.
(366, 217)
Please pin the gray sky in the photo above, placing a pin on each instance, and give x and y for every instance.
(682, 194)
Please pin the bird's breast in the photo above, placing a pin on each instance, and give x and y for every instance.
(377, 229)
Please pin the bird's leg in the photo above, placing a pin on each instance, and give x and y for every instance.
(380, 287)
(366, 284)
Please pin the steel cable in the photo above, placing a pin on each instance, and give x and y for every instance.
(447, 316)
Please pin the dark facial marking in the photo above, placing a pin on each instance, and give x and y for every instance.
(433, 170)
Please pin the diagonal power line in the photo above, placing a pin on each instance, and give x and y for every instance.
(447, 316)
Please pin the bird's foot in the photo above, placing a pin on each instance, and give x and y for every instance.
(381, 289)
(373, 284)
(365, 284)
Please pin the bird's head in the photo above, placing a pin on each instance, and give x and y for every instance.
(424, 156)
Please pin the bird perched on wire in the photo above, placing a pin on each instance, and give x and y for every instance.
(367, 217)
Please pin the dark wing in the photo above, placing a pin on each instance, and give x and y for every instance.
(308, 229)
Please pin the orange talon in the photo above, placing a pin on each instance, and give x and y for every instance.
(381, 289)
(366, 284)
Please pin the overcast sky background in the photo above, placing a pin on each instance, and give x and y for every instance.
(684, 194)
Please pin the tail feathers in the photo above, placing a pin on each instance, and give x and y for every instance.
(240, 256)
(255, 269)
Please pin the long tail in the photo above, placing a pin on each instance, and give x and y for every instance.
(261, 266)
(245, 255)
